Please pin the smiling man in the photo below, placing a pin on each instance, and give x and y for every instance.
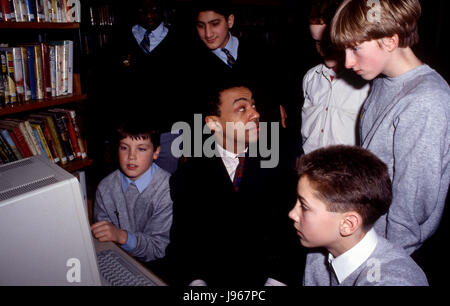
(230, 215)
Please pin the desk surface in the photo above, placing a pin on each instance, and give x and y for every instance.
(101, 246)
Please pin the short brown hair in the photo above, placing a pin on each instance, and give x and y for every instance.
(349, 178)
(357, 21)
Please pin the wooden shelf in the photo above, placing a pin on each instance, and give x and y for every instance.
(38, 25)
(38, 104)
(77, 164)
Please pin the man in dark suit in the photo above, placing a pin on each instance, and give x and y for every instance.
(230, 224)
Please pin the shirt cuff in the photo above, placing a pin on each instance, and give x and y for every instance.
(273, 282)
(131, 242)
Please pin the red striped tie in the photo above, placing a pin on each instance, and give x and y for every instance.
(238, 173)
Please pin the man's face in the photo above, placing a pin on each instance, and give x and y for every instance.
(238, 123)
(213, 29)
(315, 225)
(368, 59)
(136, 156)
(149, 14)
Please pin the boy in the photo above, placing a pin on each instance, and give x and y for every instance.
(333, 95)
(342, 191)
(133, 206)
(405, 121)
(229, 212)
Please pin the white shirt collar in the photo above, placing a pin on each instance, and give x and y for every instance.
(230, 160)
(346, 263)
(232, 46)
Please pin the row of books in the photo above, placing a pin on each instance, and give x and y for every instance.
(101, 14)
(36, 71)
(54, 133)
(40, 10)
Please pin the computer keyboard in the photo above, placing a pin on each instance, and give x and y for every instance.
(118, 272)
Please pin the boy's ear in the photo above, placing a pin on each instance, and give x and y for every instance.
(213, 123)
(230, 21)
(156, 153)
(350, 222)
(391, 43)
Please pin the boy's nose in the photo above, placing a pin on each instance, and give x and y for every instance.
(294, 213)
(208, 31)
(349, 59)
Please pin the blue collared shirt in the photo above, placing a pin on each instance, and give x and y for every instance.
(232, 46)
(141, 183)
(156, 36)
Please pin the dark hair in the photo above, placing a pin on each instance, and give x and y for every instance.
(211, 98)
(322, 11)
(222, 7)
(139, 129)
(349, 178)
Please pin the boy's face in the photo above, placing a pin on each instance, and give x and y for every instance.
(368, 59)
(136, 156)
(237, 108)
(149, 14)
(316, 226)
(213, 29)
(317, 31)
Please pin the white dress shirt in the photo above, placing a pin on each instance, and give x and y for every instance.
(331, 108)
(346, 263)
(156, 36)
(230, 160)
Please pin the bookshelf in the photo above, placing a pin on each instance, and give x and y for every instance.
(17, 33)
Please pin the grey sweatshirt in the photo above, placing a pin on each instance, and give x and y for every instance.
(405, 121)
(149, 218)
(388, 265)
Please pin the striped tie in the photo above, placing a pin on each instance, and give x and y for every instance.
(238, 173)
(145, 43)
(230, 59)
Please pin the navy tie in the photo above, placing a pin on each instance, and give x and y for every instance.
(145, 43)
(230, 59)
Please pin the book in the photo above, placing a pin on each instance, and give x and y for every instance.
(40, 10)
(31, 71)
(34, 140)
(42, 120)
(5, 9)
(13, 151)
(17, 136)
(30, 6)
(55, 136)
(38, 72)
(61, 126)
(74, 133)
(46, 81)
(52, 58)
(28, 135)
(18, 73)
(19, 10)
(8, 61)
(41, 138)
(26, 74)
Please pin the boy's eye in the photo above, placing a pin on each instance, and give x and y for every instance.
(122, 148)
(142, 149)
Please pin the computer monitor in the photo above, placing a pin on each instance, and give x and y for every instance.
(45, 237)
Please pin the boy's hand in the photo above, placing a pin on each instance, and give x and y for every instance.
(105, 231)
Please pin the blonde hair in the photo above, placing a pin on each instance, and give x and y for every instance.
(357, 21)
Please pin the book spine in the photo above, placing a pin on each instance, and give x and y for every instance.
(27, 138)
(38, 72)
(6, 12)
(57, 140)
(39, 141)
(18, 73)
(40, 12)
(65, 68)
(19, 10)
(32, 71)
(26, 73)
(4, 74)
(64, 135)
(10, 77)
(11, 145)
(52, 58)
(5, 152)
(21, 143)
(45, 63)
(71, 132)
(32, 136)
(69, 48)
(12, 12)
(31, 9)
(43, 142)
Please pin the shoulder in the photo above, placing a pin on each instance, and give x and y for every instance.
(312, 72)
(390, 265)
(110, 181)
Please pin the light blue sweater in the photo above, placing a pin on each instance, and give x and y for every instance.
(406, 123)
